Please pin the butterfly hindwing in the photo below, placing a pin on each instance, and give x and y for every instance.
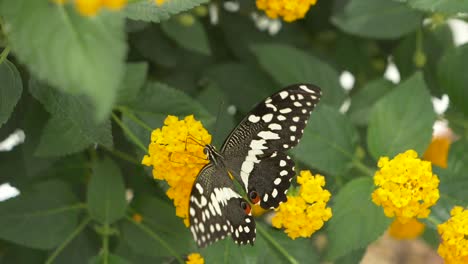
(271, 179)
(273, 126)
(215, 209)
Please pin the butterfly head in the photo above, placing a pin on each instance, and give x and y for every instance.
(212, 154)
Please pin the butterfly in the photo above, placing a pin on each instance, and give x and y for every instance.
(254, 154)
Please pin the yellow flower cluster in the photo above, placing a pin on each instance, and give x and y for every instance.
(454, 237)
(409, 230)
(289, 10)
(195, 258)
(306, 213)
(406, 186)
(92, 7)
(176, 154)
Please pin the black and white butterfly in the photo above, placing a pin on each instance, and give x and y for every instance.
(254, 154)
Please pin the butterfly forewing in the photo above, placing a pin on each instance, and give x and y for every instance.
(254, 149)
(216, 209)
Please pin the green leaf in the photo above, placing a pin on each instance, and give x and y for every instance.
(73, 53)
(10, 89)
(353, 257)
(216, 101)
(135, 77)
(80, 250)
(111, 259)
(433, 43)
(40, 217)
(371, 18)
(263, 251)
(288, 65)
(161, 229)
(402, 120)
(106, 192)
(356, 221)
(453, 79)
(329, 141)
(453, 179)
(144, 42)
(439, 6)
(244, 85)
(60, 137)
(191, 37)
(158, 98)
(363, 101)
(151, 12)
(71, 121)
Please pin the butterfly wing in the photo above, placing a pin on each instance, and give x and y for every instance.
(255, 150)
(215, 209)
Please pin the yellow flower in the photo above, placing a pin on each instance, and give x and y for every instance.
(159, 2)
(88, 7)
(114, 4)
(406, 186)
(306, 213)
(92, 7)
(409, 230)
(437, 152)
(195, 258)
(289, 10)
(454, 237)
(176, 154)
(137, 217)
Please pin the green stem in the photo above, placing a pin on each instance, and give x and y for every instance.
(275, 244)
(75, 232)
(363, 168)
(432, 221)
(158, 239)
(105, 244)
(132, 136)
(121, 155)
(135, 119)
(4, 54)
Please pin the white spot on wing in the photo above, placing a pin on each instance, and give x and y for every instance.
(267, 135)
(199, 188)
(267, 118)
(285, 110)
(274, 126)
(254, 118)
(274, 193)
(283, 94)
(277, 181)
(303, 87)
(281, 118)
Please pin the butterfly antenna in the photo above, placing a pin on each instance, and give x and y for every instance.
(216, 124)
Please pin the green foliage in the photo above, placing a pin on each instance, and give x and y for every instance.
(10, 91)
(88, 91)
(402, 120)
(376, 18)
(76, 55)
(106, 193)
(356, 220)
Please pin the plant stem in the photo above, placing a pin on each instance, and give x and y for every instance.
(275, 244)
(433, 221)
(135, 119)
(158, 239)
(127, 131)
(363, 168)
(62, 246)
(121, 155)
(4, 54)
(105, 244)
